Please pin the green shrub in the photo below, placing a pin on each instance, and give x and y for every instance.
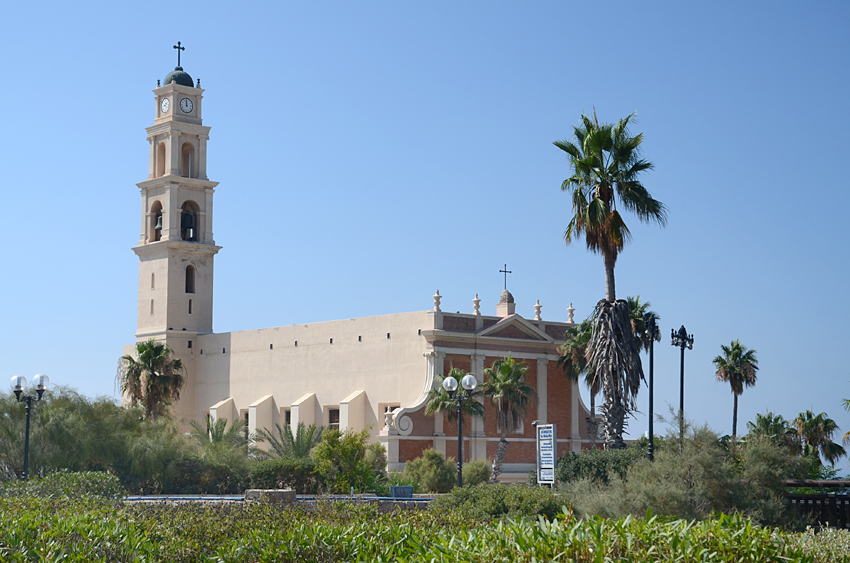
(597, 465)
(477, 471)
(431, 472)
(346, 461)
(285, 473)
(68, 486)
(486, 502)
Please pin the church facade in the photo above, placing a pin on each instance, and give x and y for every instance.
(370, 373)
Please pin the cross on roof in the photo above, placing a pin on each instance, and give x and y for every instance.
(179, 48)
(506, 272)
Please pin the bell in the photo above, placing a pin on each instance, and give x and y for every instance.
(187, 222)
(158, 226)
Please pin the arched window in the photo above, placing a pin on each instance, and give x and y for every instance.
(160, 160)
(190, 279)
(189, 221)
(156, 222)
(187, 160)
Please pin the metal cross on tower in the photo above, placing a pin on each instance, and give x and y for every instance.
(506, 272)
(179, 48)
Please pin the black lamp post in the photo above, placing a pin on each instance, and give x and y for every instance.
(682, 340)
(653, 333)
(469, 383)
(18, 384)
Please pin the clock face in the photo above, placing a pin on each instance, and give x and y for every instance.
(186, 105)
(164, 105)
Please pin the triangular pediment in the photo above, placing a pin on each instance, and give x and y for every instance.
(516, 327)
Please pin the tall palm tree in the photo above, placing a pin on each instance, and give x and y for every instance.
(154, 379)
(605, 161)
(284, 443)
(510, 394)
(737, 366)
(816, 432)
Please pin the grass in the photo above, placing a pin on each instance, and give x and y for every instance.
(39, 529)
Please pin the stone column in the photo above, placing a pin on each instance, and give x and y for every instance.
(542, 389)
(477, 436)
(152, 170)
(575, 434)
(172, 153)
(207, 216)
(436, 365)
(202, 156)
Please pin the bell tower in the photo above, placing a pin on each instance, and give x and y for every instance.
(176, 246)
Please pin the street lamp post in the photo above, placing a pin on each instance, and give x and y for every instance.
(18, 384)
(653, 333)
(469, 383)
(682, 340)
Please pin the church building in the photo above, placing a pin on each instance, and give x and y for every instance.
(369, 373)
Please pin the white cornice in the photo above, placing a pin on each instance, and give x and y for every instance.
(180, 181)
(174, 245)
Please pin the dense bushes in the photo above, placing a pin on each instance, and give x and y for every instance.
(431, 472)
(298, 474)
(705, 478)
(597, 465)
(485, 502)
(476, 471)
(68, 486)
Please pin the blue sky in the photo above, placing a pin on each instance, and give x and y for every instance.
(370, 153)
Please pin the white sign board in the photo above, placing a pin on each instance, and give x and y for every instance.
(547, 453)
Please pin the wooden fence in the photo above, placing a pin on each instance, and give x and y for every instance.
(829, 507)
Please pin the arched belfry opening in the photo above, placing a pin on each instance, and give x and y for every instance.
(156, 222)
(187, 161)
(189, 221)
(160, 159)
(190, 280)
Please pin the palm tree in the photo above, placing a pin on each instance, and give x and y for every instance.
(440, 402)
(775, 428)
(510, 394)
(816, 432)
(639, 314)
(573, 360)
(737, 367)
(846, 439)
(153, 380)
(284, 444)
(605, 161)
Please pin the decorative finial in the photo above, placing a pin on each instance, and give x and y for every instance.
(179, 48)
(199, 83)
(157, 83)
(506, 272)
(537, 308)
(437, 298)
(476, 304)
(570, 312)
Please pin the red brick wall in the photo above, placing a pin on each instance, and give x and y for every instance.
(411, 449)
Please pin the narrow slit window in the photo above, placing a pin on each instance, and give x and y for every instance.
(190, 279)
(223, 351)
(151, 306)
(190, 306)
(359, 339)
(388, 336)
(271, 346)
(296, 344)
(332, 340)
(420, 332)
(190, 344)
(153, 284)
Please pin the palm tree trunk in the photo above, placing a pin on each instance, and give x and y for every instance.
(499, 459)
(735, 417)
(610, 291)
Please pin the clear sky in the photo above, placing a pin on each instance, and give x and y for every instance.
(369, 153)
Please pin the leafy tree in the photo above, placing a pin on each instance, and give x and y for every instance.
(222, 444)
(440, 402)
(606, 163)
(432, 472)
(284, 444)
(816, 432)
(511, 395)
(154, 379)
(346, 460)
(737, 367)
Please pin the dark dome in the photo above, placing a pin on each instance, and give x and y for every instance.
(180, 77)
